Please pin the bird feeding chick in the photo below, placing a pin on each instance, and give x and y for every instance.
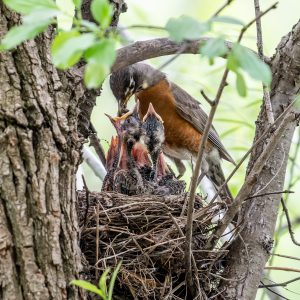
(153, 138)
(184, 119)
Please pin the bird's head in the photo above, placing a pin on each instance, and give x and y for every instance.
(130, 80)
(128, 126)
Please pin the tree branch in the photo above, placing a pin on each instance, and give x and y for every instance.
(143, 50)
(259, 229)
(267, 100)
(292, 234)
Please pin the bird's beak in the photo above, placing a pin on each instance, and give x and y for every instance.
(151, 112)
(116, 122)
(122, 105)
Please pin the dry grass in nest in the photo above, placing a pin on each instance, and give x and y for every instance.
(147, 234)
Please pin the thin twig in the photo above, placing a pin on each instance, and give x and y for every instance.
(274, 292)
(284, 284)
(286, 256)
(227, 3)
(177, 54)
(260, 15)
(95, 142)
(210, 102)
(97, 240)
(283, 269)
(87, 199)
(292, 234)
(249, 182)
(258, 141)
(271, 193)
(267, 100)
(194, 181)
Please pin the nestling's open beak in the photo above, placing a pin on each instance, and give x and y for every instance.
(151, 111)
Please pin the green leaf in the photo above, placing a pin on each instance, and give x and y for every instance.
(113, 279)
(249, 62)
(41, 15)
(77, 3)
(18, 34)
(232, 63)
(88, 286)
(186, 28)
(89, 25)
(241, 85)
(103, 51)
(95, 73)
(68, 47)
(27, 6)
(214, 47)
(102, 12)
(102, 281)
(227, 19)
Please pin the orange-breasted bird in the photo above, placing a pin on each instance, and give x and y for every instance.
(184, 119)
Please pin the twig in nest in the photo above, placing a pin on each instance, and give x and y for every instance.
(87, 195)
(292, 234)
(97, 240)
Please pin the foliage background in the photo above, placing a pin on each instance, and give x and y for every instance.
(235, 118)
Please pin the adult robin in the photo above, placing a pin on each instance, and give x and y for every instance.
(184, 119)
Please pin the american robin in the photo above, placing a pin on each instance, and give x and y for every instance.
(184, 119)
(154, 137)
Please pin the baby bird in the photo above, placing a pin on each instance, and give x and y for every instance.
(154, 137)
(128, 180)
(113, 157)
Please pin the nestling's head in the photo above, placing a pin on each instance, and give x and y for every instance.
(127, 81)
(128, 126)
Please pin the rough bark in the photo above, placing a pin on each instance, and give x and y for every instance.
(44, 121)
(246, 265)
(39, 251)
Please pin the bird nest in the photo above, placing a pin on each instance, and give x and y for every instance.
(148, 234)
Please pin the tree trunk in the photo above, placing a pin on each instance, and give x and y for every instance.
(250, 252)
(40, 151)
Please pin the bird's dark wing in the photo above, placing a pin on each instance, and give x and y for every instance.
(190, 110)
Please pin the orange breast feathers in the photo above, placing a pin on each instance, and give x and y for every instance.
(179, 133)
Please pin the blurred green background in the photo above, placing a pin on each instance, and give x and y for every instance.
(235, 118)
